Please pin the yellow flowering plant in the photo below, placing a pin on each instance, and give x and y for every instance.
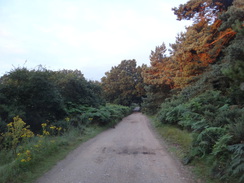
(44, 125)
(44, 131)
(52, 127)
(55, 130)
(50, 130)
(17, 132)
(25, 156)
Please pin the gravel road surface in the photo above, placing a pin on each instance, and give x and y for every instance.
(129, 153)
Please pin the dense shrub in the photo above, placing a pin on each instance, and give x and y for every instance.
(218, 129)
(167, 107)
(40, 96)
(103, 115)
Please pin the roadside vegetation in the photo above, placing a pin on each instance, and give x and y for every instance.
(199, 89)
(195, 90)
(46, 114)
(217, 128)
(178, 141)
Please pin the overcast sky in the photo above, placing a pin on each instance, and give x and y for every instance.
(88, 35)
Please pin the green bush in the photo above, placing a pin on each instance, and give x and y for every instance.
(38, 96)
(206, 140)
(103, 115)
(167, 107)
(236, 167)
(217, 126)
(192, 121)
(236, 129)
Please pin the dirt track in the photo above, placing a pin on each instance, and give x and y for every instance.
(130, 153)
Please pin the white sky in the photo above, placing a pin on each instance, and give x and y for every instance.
(88, 35)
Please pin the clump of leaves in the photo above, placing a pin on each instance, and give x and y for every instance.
(237, 161)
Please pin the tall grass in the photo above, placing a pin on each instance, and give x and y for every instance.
(178, 141)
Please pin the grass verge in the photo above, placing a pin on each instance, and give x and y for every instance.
(44, 152)
(179, 143)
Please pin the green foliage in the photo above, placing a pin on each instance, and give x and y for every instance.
(3, 126)
(178, 137)
(75, 90)
(192, 121)
(203, 102)
(237, 161)
(123, 84)
(31, 96)
(166, 108)
(103, 115)
(206, 84)
(39, 155)
(174, 115)
(23, 158)
(156, 94)
(216, 126)
(220, 148)
(207, 139)
(17, 132)
(178, 141)
(41, 95)
(234, 53)
(236, 128)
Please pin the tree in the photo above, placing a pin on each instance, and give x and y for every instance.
(123, 84)
(160, 71)
(207, 68)
(193, 53)
(201, 9)
(204, 42)
(32, 96)
(155, 96)
(158, 79)
(42, 95)
(233, 61)
(75, 89)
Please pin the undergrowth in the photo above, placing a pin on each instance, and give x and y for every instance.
(217, 129)
(179, 142)
(26, 156)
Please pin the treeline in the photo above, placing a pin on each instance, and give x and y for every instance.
(44, 114)
(45, 96)
(198, 86)
(213, 45)
(40, 96)
(205, 75)
(123, 84)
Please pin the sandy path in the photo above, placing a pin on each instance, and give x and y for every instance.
(130, 153)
